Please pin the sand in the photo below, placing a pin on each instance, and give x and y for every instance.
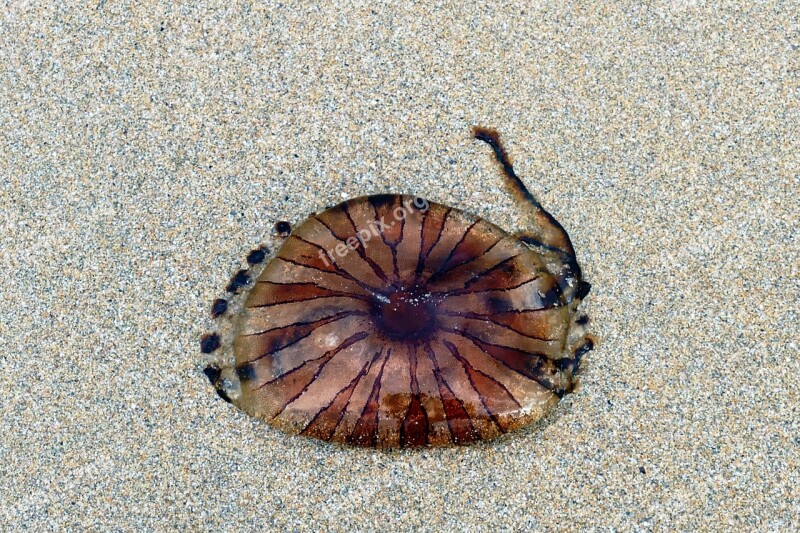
(146, 148)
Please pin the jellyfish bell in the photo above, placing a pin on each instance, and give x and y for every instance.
(439, 328)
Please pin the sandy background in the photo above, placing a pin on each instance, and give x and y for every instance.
(146, 148)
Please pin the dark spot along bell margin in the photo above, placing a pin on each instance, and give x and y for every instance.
(239, 280)
(283, 228)
(219, 307)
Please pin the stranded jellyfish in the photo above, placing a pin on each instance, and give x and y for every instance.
(393, 321)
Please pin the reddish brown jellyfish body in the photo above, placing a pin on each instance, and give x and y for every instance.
(393, 321)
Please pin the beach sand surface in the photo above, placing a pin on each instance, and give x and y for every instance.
(146, 147)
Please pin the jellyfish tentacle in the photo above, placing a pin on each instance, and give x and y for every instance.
(547, 232)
